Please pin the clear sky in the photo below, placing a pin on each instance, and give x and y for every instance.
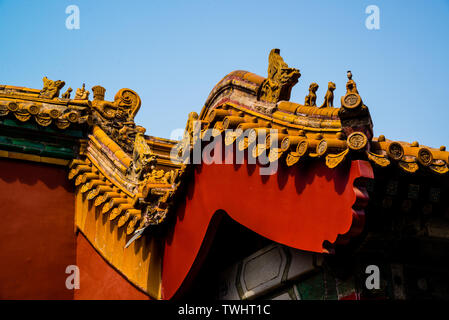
(172, 53)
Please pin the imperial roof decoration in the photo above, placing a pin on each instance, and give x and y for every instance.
(120, 169)
(134, 179)
(26, 104)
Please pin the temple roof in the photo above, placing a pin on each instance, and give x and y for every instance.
(242, 107)
(27, 104)
(137, 178)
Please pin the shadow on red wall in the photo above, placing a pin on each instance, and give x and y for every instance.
(98, 279)
(37, 240)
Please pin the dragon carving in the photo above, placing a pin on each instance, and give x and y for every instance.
(280, 81)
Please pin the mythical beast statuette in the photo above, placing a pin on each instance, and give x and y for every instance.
(116, 117)
(351, 99)
(143, 159)
(66, 95)
(310, 99)
(82, 93)
(329, 97)
(280, 81)
(51, 88)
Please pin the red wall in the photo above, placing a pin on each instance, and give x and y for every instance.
(303, 207)
(37, 233)
(38, 242)
(98, 280)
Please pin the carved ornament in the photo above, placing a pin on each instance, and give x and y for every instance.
(280, 81)
(351, 99)
(51, 88)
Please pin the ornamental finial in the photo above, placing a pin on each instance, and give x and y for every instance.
(351, 99)
(99, 93)
(349, 74)
(51, 88)
(280, 81)
(82, 93)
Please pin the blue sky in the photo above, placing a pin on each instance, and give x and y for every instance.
(172, 53)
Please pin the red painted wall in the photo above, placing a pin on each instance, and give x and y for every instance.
(299, 206)
(98, 280)
(37, 240)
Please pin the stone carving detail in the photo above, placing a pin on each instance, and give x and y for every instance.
(81, 93)
(280, 81)
(153, 216)
(51, 88)
(425, 156)
(143, 160)
(190, 125)
(292, 158)
(395, 151)
(302, 147)
(408, 166)
(329, 97)
(441, 169)
(321, 147)
(160, 176)
(357, 140)
(333, 160)
(66, 95)
(352, 98)
(351, 86)
(116, 117)
(190, 137)
(380, 160)
(311, 97)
